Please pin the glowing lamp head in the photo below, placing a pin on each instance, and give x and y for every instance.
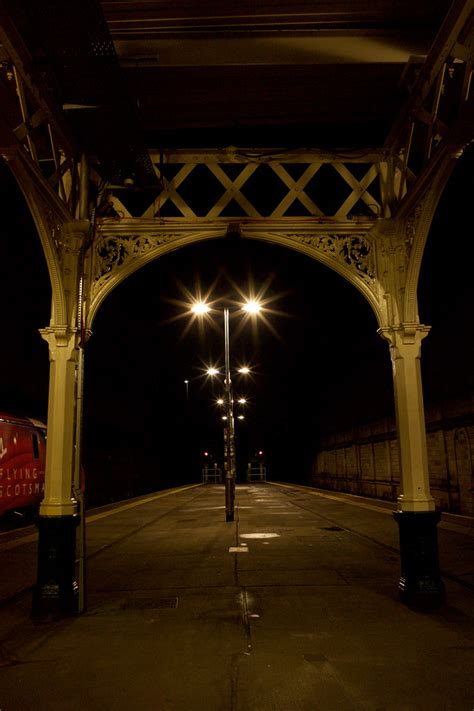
(241, 417)
(199, 308)
(252, 307)
(212, 371)
(242, 401)
(244, 370)
(220, 401)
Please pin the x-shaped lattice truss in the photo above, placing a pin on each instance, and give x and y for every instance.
(232, 190)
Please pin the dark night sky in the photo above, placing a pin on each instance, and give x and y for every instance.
(325, 368)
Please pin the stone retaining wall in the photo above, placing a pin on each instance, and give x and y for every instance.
(364, 460)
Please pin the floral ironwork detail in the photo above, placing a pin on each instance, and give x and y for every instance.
(114, 252)
(353, 250)
(54, 223)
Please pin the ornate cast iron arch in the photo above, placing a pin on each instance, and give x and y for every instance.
(123, 246)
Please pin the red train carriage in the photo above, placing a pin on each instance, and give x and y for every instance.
(22, 462)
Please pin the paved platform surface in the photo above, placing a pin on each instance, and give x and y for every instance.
(293, 607)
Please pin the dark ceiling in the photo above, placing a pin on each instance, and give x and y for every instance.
(326, 74)
(162, 74)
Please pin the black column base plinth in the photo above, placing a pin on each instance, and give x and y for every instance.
(56, 592)
(229, 498)
(420, 583)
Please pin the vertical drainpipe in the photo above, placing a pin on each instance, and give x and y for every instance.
(83, 215)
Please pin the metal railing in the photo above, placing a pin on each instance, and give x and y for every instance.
(211, 475)
(258, 473)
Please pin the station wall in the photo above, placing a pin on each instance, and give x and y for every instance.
(364, 459)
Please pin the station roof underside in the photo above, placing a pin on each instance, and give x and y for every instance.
(331, 75)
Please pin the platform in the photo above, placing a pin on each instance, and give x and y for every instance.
(293, 607)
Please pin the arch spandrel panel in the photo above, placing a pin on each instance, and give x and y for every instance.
(121, 249)
(352, 256)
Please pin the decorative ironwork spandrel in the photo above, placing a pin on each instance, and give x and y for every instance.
(115, 252)
(355, 251)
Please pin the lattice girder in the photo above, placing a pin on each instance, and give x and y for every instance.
(261, 185)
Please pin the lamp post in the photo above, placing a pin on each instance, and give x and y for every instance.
(251, 307)
(229, 428)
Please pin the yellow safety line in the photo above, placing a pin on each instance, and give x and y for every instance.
(8, 545)
(96, 517)
(340, 499)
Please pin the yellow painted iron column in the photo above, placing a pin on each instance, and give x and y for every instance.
(56, 590)
(420, 582)
(405, 352)
(63, 351)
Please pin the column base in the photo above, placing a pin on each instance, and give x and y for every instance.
(420, 584)
(56, 592)
(229, 497)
